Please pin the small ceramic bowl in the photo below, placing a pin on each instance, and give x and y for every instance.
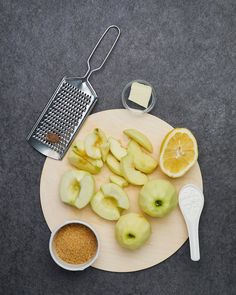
(69, 266)
(134, 107)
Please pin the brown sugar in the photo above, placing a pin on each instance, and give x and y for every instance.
(75, 243)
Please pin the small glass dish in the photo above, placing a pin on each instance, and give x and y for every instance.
(132, 106)
(64, 264)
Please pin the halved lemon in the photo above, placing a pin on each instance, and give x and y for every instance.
(179, 152)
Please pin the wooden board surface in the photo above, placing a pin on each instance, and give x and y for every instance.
(168, 234)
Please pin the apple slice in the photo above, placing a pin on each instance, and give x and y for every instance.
(97, 163)
(77, 188)
(87, 189)
(130, 173)
(140, 138)
(105, 207)
(116, 149)
(104, 144)
(78, 158)
(105, 150)
(142, 161)
(113, 165)
(109, 201)
(115, 191)
(69, 186)
(78, 145)
(91, 148)
(82, 162)
(119, 180)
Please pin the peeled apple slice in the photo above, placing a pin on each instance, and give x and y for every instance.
(77, 188)
(78, 145)
(82, 162)
(179, 152)
(87, 188)
(103, 143)
(91, 148)
(116, 149)
(140, 138)
(142, 162)
(115, 191)
(130, 173)
(105, 207)
(109, 201)
(113, 165)
(119, 180)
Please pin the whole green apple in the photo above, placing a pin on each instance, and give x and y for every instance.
(132, 230)
(158, 197)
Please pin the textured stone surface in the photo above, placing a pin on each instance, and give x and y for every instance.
(186, 49)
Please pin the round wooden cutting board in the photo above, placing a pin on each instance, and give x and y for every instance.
(168, 234)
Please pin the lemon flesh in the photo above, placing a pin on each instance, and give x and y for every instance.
(179, 152)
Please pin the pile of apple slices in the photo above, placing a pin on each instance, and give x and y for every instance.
(130, 165)
(132, 162)
(90, 154)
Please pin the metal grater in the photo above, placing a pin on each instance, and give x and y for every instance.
(67, 109)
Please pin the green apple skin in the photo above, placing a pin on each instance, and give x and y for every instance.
(132, 231)
(158, 197)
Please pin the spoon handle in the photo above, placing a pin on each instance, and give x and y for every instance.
(194, 240)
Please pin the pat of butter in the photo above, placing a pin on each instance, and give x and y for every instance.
(140, 94)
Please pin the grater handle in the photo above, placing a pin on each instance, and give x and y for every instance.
(89, 71)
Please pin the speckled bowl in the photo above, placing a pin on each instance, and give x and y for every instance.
(69, 266)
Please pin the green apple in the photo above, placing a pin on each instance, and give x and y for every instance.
(116, 148)
(119, 180)
(130, 173)
(142, 161)
(140, 138)
(77, 188)
(132, 231)
(158, 197)
(109, 201)
(113, 164)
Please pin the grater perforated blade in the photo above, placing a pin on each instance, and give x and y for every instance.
(66, 111)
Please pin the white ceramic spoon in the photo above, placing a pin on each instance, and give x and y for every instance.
(191, 201)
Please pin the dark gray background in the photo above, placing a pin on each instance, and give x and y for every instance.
(186, 49)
